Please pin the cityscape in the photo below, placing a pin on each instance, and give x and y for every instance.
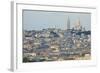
(55, 44)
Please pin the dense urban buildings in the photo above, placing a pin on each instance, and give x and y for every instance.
(53, 44)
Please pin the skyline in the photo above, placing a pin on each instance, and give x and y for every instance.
(38, 20)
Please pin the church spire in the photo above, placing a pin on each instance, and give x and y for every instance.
(68, 23)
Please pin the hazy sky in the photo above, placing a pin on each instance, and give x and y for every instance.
(37, 20)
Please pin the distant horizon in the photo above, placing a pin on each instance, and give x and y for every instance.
(48, 28)
(39, 20)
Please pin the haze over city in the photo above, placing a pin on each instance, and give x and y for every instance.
(38, 20)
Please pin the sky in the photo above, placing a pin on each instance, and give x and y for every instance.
(38, 20)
